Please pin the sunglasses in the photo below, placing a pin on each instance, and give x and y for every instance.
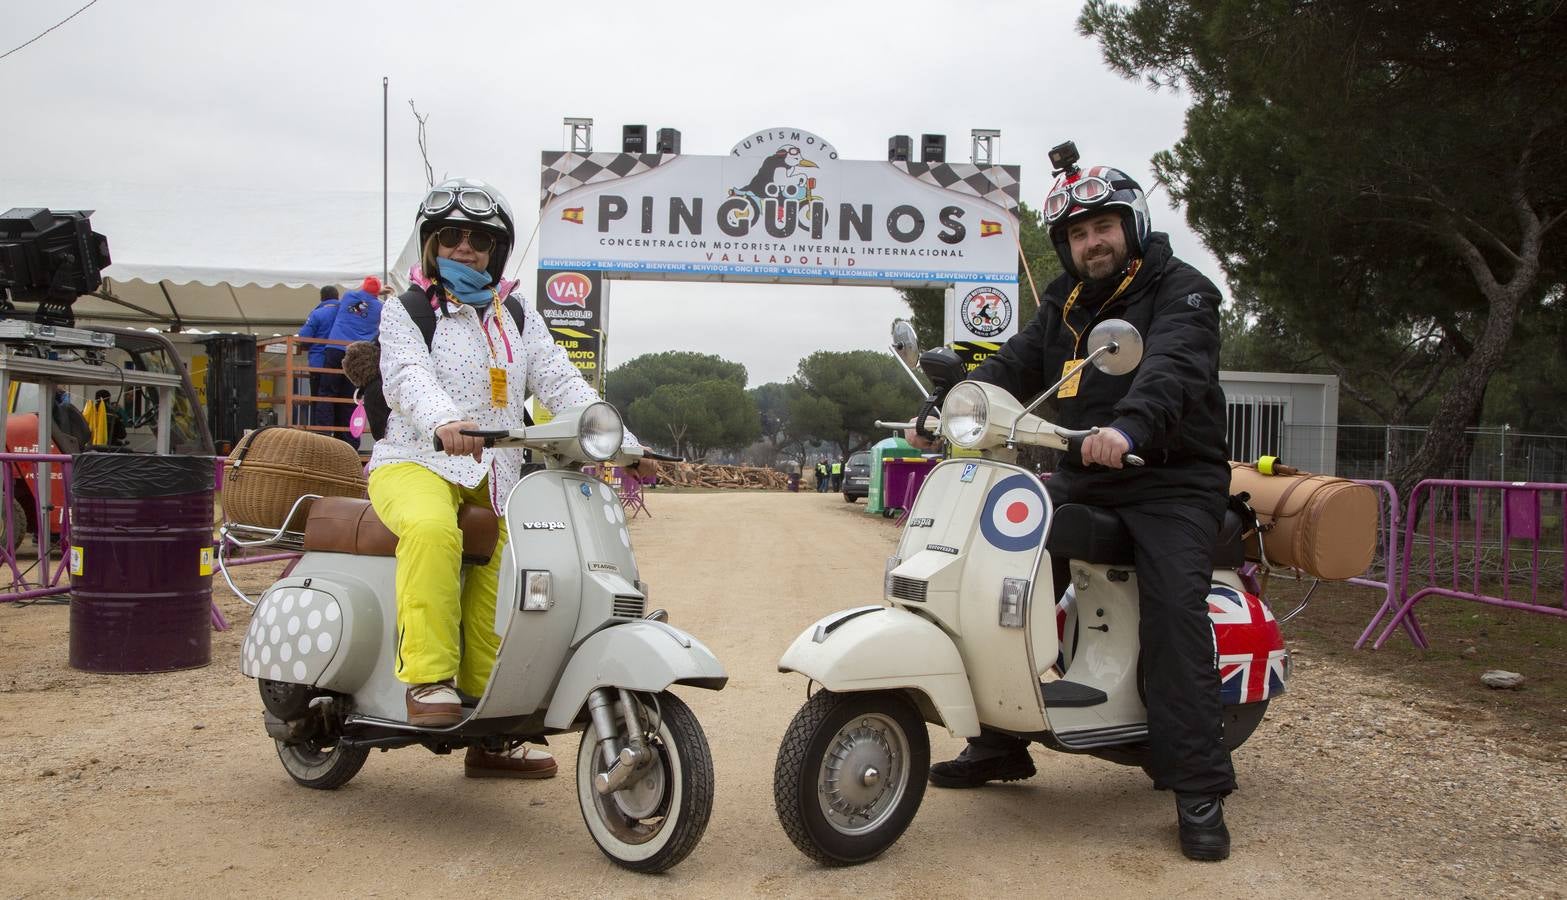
(451, 238)
(1089, 191)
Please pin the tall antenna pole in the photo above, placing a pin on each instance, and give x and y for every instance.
(385, 226)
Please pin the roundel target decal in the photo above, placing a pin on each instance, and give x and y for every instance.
(1014, 514)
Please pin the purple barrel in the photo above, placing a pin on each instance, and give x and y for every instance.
(141, 563)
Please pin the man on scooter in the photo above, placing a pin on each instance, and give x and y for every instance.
(472, 373)
(1170, 410)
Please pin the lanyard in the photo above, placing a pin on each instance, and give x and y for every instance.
(1066, 310)
(501, 330)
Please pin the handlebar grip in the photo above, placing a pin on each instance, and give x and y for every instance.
(654, 454)
(489, 437)
(1074, 446)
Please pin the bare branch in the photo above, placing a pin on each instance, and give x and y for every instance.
(424, 147)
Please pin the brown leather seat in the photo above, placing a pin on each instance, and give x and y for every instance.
(349, 525)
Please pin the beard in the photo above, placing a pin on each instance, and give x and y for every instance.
(1102, 273)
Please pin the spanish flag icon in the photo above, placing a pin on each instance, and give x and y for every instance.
(988, 228)
(574, 214)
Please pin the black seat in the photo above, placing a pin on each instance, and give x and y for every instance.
(1093, 534)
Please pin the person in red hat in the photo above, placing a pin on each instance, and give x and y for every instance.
(358, 319)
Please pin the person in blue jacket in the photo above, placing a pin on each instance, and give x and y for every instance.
(358, 319)
(319, 325)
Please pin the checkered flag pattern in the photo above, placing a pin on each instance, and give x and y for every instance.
(564, 172)
(998, 184)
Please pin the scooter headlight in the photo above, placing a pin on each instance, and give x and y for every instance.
(965, 415)
(600, 431)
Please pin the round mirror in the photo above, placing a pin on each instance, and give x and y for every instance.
(905, 342)
(1126, 346)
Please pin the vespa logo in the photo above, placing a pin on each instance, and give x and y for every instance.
(544, 526)
(568, 289)
(922, 522)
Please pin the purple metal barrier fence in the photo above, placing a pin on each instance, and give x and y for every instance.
(1390, 564)
(1474, 559)
(21, 586)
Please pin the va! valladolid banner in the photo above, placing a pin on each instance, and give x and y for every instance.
(783, 207)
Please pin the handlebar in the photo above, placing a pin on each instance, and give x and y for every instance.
(490, 437)
(1074, 446)
(654, 454)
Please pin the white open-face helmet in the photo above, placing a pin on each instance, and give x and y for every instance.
(472, 204)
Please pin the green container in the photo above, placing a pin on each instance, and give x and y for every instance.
(890, 448)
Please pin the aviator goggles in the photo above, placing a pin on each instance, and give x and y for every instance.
(480, 241)
(473, 201)
(1090, 190)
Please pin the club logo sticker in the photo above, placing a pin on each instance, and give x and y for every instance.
(1014, 514)
(986, 311)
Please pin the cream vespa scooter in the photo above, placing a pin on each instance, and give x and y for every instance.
(579, 649)
(970, 626)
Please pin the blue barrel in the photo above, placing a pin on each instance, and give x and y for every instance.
(141, 562)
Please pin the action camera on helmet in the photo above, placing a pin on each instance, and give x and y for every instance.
(1063, 158)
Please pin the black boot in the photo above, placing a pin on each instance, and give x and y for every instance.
(979, 763)
(1203, 835)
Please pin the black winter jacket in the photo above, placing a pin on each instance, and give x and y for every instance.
(1170, 406)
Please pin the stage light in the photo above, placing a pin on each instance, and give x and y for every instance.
(668, 140)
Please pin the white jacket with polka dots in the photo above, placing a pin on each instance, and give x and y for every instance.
(450, 382)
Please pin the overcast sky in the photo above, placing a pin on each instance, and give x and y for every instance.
(287, 95)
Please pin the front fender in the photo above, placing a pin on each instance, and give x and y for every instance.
(882, 648)
(638, 656)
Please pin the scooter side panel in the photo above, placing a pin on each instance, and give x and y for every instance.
(574, 528)
(990, 518)
(885, 649)
(638, 656)
(1105, 656)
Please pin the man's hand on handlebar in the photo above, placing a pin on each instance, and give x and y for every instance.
(919, 441)
(1105, 448)
(646, 468)
(455, 443)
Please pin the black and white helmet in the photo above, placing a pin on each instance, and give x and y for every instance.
(470, 203)
(1083, 192)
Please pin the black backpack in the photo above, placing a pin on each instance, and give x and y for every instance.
(417, 303)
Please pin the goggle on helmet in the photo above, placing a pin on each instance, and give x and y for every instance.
(470, 203)
(1083, 192)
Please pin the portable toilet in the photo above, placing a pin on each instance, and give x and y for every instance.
(893, 447)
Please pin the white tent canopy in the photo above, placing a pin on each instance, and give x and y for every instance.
(223, 260)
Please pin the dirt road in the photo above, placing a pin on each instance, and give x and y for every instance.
(1356, 785)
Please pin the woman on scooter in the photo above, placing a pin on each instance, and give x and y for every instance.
(474, 374)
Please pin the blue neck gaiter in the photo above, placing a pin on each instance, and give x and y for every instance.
(470, 286)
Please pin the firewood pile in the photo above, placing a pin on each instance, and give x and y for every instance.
(705, 475)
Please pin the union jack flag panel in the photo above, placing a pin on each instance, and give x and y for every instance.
(1253, 664)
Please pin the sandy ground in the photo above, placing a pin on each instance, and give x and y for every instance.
(1356, 785)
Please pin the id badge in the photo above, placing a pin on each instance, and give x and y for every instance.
(498, 397)
(1069, 389)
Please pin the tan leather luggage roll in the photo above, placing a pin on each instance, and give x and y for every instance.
(1322, 525)
(272, 467)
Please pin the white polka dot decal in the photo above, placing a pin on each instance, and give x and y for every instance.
(609, 515)
(609, 495)
(292, 636)
(625, 538)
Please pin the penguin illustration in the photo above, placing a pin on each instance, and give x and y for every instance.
(775, 169)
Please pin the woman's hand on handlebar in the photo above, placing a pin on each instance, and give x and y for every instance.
(455, 443)
(645, 468)
(919, 441)
(1106, 447)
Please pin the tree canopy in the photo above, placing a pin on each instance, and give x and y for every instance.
(842, 394)
(1381, 179)
(689, 402)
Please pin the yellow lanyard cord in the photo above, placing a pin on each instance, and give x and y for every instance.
(1071, 299)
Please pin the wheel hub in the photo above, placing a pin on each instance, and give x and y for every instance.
(640, 798)
(863, 773)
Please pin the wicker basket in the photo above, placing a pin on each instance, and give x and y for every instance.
(271, 468)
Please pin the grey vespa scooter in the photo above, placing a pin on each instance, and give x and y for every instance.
(579, 649)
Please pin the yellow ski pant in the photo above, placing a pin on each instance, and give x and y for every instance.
(445, 625)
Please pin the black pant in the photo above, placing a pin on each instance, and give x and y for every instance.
(1174, 558)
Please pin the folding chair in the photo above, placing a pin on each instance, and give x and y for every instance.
(631, 494)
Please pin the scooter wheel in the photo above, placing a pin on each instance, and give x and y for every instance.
(851, 774)
(322, 768)
(657, 819)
